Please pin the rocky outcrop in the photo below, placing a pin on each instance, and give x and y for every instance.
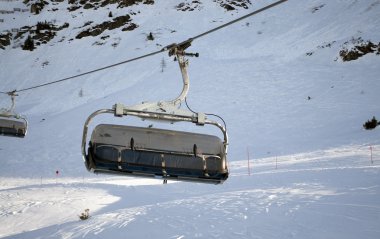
(118, 22)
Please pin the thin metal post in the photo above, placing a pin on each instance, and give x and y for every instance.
(276, 162)
(249, 167)
(182, 62)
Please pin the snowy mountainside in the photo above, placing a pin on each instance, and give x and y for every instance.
(261, 56)
(278, 79)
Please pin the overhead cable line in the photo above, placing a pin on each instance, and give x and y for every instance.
(92, 71)
(186, 43)
(237, 20)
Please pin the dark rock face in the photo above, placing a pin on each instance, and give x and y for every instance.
(122, 21)
(230, 5)
(359, 49)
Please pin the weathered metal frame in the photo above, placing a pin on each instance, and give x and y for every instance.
(153, 116)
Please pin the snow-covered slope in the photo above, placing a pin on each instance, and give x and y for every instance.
(321, 194)
(276, 78)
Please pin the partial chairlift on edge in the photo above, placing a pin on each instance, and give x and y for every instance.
(12, 124)
(158, 153)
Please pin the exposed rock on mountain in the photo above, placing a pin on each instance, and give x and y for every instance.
(117, 22)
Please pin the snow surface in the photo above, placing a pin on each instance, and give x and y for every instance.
(311, 173)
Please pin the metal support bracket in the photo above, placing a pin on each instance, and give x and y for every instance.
(119, 110)
(10, 111)
(160, 110)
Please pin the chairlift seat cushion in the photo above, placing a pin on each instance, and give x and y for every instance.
(157, 152)
(109, 158)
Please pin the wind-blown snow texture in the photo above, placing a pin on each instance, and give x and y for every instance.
(311, 171)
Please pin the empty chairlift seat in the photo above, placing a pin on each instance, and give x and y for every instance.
(154, 152)
(11, 126)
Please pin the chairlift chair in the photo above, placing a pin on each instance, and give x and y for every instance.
(12, 124)
(157, 153)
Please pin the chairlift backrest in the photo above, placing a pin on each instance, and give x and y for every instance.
(157, 139)
(151, 152)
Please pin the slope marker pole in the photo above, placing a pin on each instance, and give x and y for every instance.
(276, 161)
(249, 167)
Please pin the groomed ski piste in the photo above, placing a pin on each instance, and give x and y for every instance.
(301, 163)
(322, 194)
